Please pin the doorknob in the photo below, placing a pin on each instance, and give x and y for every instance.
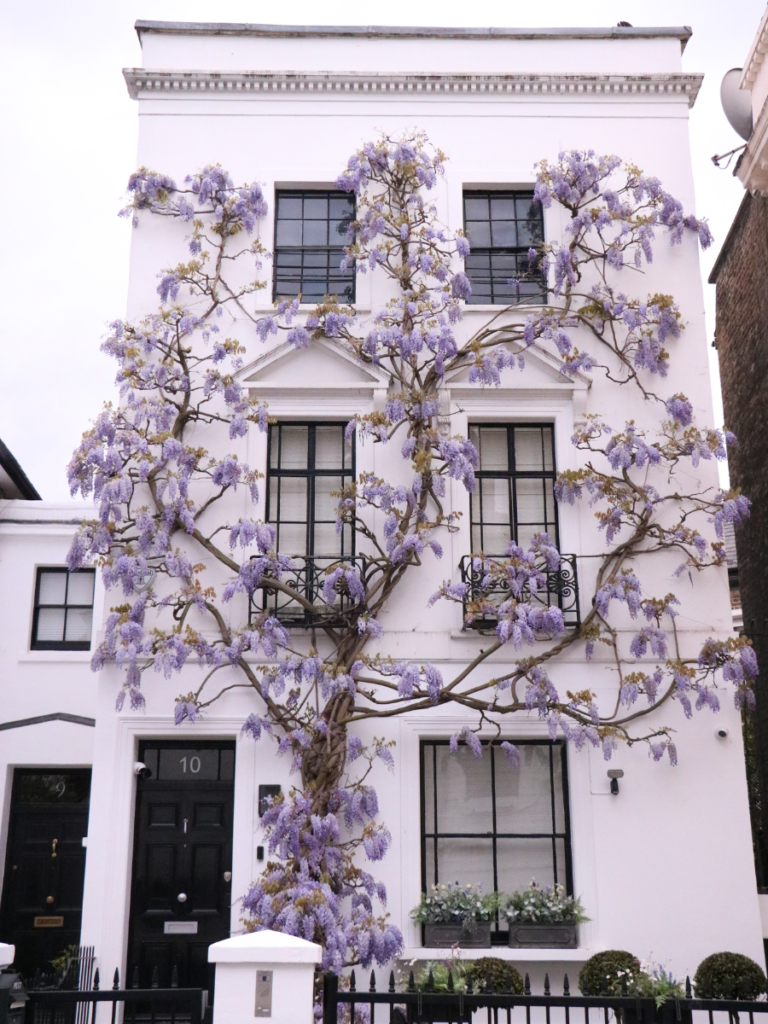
(55, 844)
(49, 899)
(182, 897)
(227, 876)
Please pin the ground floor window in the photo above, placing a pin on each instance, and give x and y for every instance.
(483, 820)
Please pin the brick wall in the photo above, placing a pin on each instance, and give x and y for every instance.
(741, 273)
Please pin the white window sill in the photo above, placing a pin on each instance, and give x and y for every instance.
(58, 657)
(577, 956)
(488, 307)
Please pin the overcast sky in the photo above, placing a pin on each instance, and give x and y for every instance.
(68, 131)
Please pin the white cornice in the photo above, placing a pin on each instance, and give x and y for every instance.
(145, 83)
(752, 168)
(756, 55)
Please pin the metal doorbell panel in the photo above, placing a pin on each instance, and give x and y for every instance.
(263, 993)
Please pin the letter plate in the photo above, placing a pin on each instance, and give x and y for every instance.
(263, 994)
(49, 922)
(180, 928)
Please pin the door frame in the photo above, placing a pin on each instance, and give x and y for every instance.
(109, 867)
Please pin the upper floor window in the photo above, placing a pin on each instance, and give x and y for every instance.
(63, 617)
(484, 820)
(514, 496)
(310, 235)
(308, 462)
(501, 227)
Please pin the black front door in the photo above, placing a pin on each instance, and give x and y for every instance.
(42, 901)
(182, 861)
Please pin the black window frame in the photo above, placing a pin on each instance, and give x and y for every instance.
(493, 253)
(512, 474)
(493, 750)
(311, 473)
(348, 296)
(59, 645)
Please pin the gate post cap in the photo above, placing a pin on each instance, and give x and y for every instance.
(7, 953)
(265, 947)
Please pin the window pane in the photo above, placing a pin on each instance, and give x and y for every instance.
(476, 208)
(528, 454)
(341, 208)
(289, 232)
(477, 540)
(464, 797)
(496, 539)
(523, 797)
(495, 494)
(293, 499)
(53, 587)
(50, 624)
(293, 539)
(504, 232)
(429, 788)
(502, 209)
(289, 206)
(274, 491)
(81, 588)
(492, 448)
(530, 501)
(79, 623)
(467, 861)
(328, 447)
(549, 458)
(315, 207)
(327, 541)
(519, 861)
(315, 232)
(293, 451)
(479, 233)
(526, 533)
(325, 504)
(549, 488)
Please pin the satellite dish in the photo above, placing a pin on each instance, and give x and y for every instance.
(737, 103)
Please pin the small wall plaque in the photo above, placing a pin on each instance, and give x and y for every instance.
(263, 994)
(49, 922)
(180, 928)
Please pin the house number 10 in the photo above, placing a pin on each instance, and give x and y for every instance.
(194, 764)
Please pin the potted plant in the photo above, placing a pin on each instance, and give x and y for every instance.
(454, 914)
(729, 976)
(543, 916)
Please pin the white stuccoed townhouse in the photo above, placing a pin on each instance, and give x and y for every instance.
(665, 868)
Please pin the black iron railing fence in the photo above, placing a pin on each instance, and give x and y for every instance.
(562, 590)
(153, 1005)
(412, 1006)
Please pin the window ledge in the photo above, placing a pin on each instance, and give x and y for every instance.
(61, 657)
(502, 952)
(498, 307)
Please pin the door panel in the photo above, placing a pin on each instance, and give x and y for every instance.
(182, 850)
(42, 900)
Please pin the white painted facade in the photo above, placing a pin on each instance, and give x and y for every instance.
(665, 869)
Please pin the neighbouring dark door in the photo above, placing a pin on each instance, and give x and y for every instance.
(182, 861)
(42, 903)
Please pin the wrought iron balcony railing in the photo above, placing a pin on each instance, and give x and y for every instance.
(562, 590)
(306, 579)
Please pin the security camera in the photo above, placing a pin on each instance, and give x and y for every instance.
(140, 769)
(722, 734)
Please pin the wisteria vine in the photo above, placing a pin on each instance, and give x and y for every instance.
(164, 500)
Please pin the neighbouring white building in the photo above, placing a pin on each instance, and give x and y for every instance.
(665, 868)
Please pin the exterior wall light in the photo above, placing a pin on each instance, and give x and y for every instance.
(614, 774)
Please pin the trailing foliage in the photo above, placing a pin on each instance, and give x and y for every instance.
(175, 502)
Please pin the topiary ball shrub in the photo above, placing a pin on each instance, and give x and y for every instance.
(603, 972)
(502, 975)
(729, 976)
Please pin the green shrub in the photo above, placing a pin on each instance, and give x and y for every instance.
(605, 971)
(502, 975)
(729, 975)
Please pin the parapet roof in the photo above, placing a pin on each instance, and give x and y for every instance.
(200, 28)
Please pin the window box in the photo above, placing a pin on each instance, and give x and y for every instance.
(443, 936)
(543, 935)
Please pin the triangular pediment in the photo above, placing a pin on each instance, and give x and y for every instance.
(321, 365)
(541, 370)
